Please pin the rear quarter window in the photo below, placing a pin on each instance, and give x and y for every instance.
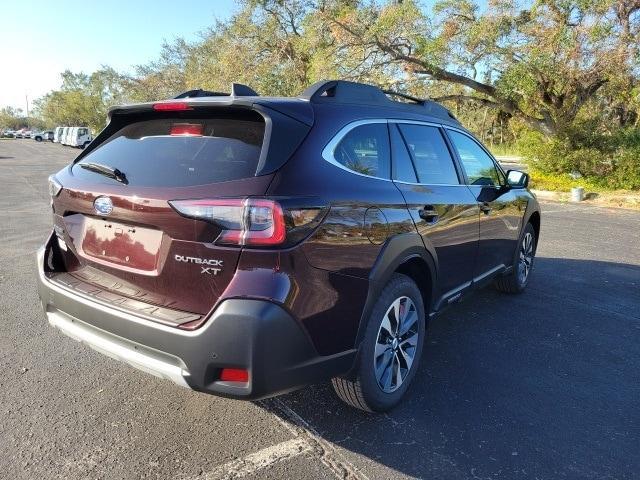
(181, 152)
(365, 150)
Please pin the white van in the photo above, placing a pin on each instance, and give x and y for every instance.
(79, 137)
(57, 134)
(64, 135)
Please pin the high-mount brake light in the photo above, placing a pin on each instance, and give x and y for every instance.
(244, 221)
(171, 107)
(187, 129)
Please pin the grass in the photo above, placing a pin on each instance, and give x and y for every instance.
(504, 150)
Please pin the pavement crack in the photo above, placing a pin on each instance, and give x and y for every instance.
(326, 452)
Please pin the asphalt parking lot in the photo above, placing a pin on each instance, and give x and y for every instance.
(544, 385)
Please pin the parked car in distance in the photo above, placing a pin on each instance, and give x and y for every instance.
(246, 246)
(26, 134)
(8, 134)
(40, 136)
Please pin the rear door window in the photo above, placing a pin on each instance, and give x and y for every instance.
(365, 150)
(181, 152)
(431, 157)
(403, 170)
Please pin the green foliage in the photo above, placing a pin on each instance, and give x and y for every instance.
(12, 118)
(83, 99)
(609, 161)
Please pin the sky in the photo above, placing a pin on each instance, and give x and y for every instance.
(40, 39)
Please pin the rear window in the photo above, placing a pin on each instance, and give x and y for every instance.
(180, 152)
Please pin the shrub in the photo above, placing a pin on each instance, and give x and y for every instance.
(609, 160)
(626, 171)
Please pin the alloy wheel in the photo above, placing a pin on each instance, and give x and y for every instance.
(396, 344)
(525, 259)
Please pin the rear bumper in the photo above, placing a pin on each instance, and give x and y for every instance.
(257, 335)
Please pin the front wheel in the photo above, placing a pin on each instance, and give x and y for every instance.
(516, 281)
(390, 351)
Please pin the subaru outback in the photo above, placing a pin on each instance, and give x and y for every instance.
(246, 246)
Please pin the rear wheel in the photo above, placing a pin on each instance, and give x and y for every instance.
(390, 350)
(516, 281)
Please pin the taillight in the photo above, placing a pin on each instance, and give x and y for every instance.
(54, 186)
(249, 221)
(234, 375)
(171, 107)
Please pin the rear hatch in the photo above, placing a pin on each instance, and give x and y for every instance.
(121, 239)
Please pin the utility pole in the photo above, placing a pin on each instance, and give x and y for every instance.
(26, 97)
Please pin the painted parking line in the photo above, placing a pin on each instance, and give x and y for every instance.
(306, 440)
(254, 462)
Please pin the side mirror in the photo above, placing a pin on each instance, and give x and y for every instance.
(517, 179)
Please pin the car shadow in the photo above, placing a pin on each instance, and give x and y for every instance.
(545, 384)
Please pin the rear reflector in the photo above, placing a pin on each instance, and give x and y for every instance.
(171, 107)
(248, 221)
(234, 375)
(187, 129)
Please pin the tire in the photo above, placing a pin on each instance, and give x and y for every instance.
(364, 388)
(518, 279)
(38, 139)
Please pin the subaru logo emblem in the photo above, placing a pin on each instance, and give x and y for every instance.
(103, 205)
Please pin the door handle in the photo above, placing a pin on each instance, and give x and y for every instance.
(486, 208)
(429, 214)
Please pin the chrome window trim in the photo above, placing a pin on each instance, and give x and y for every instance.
(415, 122)
(432, 184)
(328, 150)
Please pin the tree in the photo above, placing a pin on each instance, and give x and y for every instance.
(84, 99)
(12, 118)
(541, 63)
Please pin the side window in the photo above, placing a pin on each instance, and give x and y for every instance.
(479, 166)
(402, 165)
(365, 150)
(431, 157)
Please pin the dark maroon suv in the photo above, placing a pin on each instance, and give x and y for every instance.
(246, 246)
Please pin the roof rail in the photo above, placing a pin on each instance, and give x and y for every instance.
(342, 91)
(417, 100)
(200, 93)
(237, 90)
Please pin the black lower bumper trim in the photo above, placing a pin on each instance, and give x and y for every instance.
(256, 335)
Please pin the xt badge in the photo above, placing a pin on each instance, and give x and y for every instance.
(208, 266)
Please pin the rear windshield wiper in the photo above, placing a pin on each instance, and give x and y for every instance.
(106, 170)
